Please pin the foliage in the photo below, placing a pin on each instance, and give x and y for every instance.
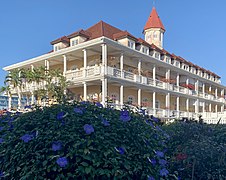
(197, 151)
(81, 141)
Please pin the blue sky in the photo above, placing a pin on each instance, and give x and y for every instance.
(195, 30)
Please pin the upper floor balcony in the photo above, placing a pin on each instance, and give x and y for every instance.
(96, 72)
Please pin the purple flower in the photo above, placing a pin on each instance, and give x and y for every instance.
(151, 178)
(88, 128)
(120, 150)
(154, 119)
(162, 162)
(1, 140)
(60, 115)
(124, 116)
(1, 174)
(56, 146)
(105, 122)
(62, 162)
(98, 104)
(159, 154)
(149, 123)
(164, 172)
(26, 138)
(78, 110)
(1, 128)
(158, 128)
(152, 161)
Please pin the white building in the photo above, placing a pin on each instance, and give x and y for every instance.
(105, 62)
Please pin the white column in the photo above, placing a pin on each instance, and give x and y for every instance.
(139, 97)
(65, 64)
(47, 65)
(210, 89)
(121, 64)
(197, 106)
(178, 79)
(154, 74)
(197, 86)
(84, 62)
(168, 74)
(203, 89)
(216, 92)
(210, 107)
(106, 88)
(178, 106)
(32, 98)
(187, 105)
(139, 67)
(154, 102)
(103, 91)
(167, 104)
(204, 106)
(178, 103)
(216, 108)
(104, 57)
(222, 108)
(121, 95)
(32, 68)
(222, 93)
(84, 91)
(187, 81)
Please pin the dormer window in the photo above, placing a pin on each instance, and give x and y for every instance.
(131, 44)
(157, 55)
(167, 60)
(144, 50)
(56, 48)
(74, 42)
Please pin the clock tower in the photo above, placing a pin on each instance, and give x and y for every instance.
(154, 30)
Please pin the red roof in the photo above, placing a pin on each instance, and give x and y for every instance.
(102, 29)
(123, 34)
(79, 33)
(63, 39)
(154, 21)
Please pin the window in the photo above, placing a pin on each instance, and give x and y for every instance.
(157, 55)
(56, 48)
(74, 42)
(114, 97)
(155, 36)
(130, 99)
(130, 44)
(144, 50)
(157, 104)
(167, 60)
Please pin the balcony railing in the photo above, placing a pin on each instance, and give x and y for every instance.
(94, 71)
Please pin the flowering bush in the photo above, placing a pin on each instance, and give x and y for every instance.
(81, 141)
(197, 151)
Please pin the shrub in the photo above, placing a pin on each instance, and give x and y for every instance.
(197, 151)
(81, 141)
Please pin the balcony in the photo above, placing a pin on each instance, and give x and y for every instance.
(96, 71)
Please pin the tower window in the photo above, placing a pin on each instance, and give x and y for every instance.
(155, 35)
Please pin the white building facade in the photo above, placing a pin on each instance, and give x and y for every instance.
(104, 62)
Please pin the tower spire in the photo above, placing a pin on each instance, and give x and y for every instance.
(154, 29)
